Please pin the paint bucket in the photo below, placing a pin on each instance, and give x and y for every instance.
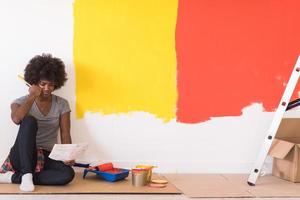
(139, 177)
(148, 168)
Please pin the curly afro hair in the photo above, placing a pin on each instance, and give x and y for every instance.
(46, 67)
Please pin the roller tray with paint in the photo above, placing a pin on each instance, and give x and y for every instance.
(107, 172)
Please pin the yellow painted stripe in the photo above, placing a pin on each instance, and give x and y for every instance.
(124, 55)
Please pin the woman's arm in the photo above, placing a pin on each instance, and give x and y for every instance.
(65, 135)
(18, 112)
(65, 126)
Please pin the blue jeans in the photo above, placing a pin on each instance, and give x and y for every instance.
(23, 156)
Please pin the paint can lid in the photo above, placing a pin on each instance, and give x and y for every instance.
(156, 185)
(159, 181)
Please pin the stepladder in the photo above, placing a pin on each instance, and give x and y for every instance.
(279, 113)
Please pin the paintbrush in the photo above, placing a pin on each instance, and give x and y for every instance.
(22, 78)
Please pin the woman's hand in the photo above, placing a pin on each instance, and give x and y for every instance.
(69, 162)
(35, 91)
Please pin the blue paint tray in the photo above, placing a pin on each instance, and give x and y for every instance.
(109, 176)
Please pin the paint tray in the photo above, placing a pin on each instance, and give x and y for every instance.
(113, 175)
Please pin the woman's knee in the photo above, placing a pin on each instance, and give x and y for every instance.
(29, 120)
(29, 123)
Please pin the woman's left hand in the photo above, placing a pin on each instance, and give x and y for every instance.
(69, 162)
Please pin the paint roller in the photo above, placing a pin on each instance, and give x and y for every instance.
(102, 167)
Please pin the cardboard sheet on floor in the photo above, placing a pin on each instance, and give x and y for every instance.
(232, 185)
(94, 185)
(266, 186)
(206, 185)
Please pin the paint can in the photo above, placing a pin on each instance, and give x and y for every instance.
(148, 168)
(139, 177)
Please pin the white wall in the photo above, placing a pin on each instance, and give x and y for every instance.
(224, 144)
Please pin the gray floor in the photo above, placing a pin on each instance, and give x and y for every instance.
(121, 197)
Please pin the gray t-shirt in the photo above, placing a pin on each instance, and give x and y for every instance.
(48, 125)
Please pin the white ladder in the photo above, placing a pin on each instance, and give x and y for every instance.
(282, 107)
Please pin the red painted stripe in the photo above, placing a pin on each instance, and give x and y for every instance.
(234, 53)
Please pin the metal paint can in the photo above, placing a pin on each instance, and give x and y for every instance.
(139, 177)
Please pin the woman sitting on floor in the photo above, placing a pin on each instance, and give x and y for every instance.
(40, 115)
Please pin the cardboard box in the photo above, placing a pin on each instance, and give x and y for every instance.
(285, 150)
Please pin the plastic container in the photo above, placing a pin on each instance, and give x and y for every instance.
(148, 168)
(113, 175)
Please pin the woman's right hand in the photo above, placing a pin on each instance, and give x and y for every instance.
(35, 91)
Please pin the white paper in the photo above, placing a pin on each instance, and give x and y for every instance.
(65, 152)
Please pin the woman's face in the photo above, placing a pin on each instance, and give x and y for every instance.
(47, 87)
